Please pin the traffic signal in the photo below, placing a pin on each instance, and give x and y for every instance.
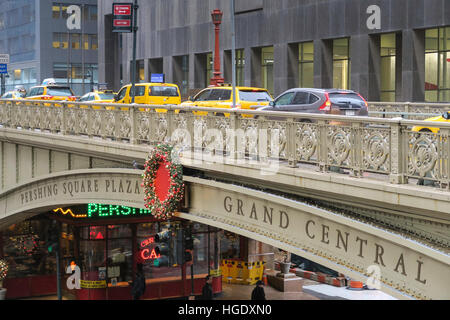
(188, 257)
(188, 239)
(162, 249)
(52, 237)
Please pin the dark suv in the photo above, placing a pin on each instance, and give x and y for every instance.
(321, 101)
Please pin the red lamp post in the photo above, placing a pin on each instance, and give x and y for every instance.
(217, 20)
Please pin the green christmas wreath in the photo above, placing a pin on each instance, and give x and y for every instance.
(165, 208)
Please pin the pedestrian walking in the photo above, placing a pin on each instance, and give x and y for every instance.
(207, 293)
(258, 293)
(138, 286)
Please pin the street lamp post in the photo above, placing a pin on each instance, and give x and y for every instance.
(217, 20)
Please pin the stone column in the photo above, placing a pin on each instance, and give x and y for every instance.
(413, 66)
(252, 69)
(323, 63)
(365, 66)
(285, 69)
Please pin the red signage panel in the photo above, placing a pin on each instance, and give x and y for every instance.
(122, 9)
(122, 23)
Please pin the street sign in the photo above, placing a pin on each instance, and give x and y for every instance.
(4, 58)
(122, 17)
(3, 68)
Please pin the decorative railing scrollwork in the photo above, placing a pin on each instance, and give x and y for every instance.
(358, 145)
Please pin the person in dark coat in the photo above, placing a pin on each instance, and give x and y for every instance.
(138, 286)
(258, 293)
(207, 293)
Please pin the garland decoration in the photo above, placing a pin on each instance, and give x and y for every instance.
(3, 269)
(162, 208)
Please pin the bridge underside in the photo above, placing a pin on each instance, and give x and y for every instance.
(322, 233)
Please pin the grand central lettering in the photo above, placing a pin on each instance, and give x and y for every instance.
(323, 234)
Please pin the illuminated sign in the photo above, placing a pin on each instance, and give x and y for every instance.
(146, 254)
(111, 211)
(95, 210)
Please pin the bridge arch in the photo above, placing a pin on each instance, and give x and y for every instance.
(407, 268)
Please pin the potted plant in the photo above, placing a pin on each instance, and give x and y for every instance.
(3, 272)
(285, 265)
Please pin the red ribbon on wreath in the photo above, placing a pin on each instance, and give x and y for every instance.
(163, 183)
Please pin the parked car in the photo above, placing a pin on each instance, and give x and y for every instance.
(445, 117)
(221, 97)
(320, 101)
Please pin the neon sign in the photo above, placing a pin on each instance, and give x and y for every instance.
(148, 241)
(146, 254)
(95, 210)
(109, 211)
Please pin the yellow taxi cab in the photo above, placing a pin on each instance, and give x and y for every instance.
(106, 96)
(49, 90)
(13, 95)
(222, 97)
(152, 93)
(445, 117)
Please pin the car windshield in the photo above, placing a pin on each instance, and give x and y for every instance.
(106, 96)
(253, 95)
(339, 98)
(162, 91)
(62, 91)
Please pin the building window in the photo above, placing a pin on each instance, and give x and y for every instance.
(306, 65)
(267, 68)
(387, 53)
(341, 63)
(94, 41)
(240, 65)
(75, 41)
(56, 40)
(437, 65)
(56, 11)
(141, 71)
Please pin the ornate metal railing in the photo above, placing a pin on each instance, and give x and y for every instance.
(407, 110)
(364, 146)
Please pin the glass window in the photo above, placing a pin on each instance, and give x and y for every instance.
(63, 92)
(437, 65)
(240, 65)
(203, 96)
(56, 40)
(94, 41)
(388, 60)
(106, 96)
(85, 42)
(139, 91)
(254, 95)
(24, 249)
(122, 93)
(163, 91)
(93, 13)
(163, 265)
(285, 99)
(75, 41)
(341, 63)
(301, 98)
(219, 94)
(306, 64)
(56, 11)
(267, 68)
(141, 70)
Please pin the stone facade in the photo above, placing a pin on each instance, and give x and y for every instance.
(170, 29)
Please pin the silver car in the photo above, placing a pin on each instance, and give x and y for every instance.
(321, 101)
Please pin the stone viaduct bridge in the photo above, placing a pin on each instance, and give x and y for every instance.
(365, 196)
